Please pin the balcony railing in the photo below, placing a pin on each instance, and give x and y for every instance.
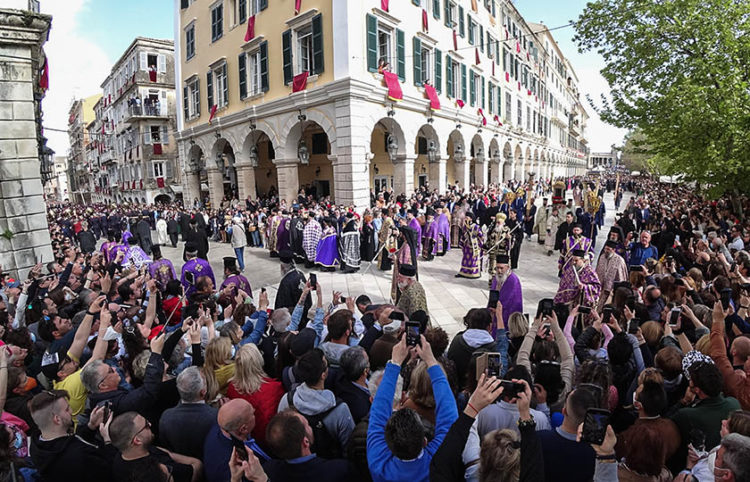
(142, 110)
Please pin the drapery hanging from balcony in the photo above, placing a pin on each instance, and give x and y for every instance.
(157, 148)
(507, 76)
(44, 76)
(476, 56)
(299, 82)
(497, 119)
(212, 114)
(160, 182)
(455, 40)
(384, 5)
(474, 5)
(460, 103)
(432, 95)
(425, 24)
(481, 113)
(250, 33)
(394, 86)
(297, 6)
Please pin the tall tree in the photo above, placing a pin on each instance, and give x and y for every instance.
(679, 71)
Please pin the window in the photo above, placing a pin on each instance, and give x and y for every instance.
(302, 49)
(451, 13)
(319, 143)
(217, 22)
(528, 118)
(427, 66)
(159, 168)
(190, 42)
(520, 114)
(475, 89)
(472, 31)
(216, 86)
(254, 72)
(192, 98)
(255, 6)
(453, 79)
(385, 46)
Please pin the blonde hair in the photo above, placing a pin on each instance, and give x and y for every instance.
(499, 460)
(420, 386)
(248, 369)
(218, 352)
(517, 325)
(652, 332)
(703, 345)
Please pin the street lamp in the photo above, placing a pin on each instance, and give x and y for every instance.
(431, 151)
(302, 152)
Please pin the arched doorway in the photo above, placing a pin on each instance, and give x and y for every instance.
(518, 160)
(387, 144)
(426, 149)
(493, 168)
(476, 168)
(455, 167)
(261, 178)
(315, 170)
(163, 199)
(223, 159)
(508, 164)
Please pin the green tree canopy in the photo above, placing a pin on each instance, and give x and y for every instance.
(679, 72)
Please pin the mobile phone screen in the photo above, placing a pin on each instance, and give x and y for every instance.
(239, 448)
(412, 333)
(595, 426)
(493, 365)
(313, 280)
(494, 297)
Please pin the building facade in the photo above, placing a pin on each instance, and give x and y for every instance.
(24, 158)
(275, 100)
(80, 116)
(607, 160)
(134, 150)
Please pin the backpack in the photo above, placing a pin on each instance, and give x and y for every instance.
(326, 446)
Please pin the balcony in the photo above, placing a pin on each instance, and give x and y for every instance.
(140, 111)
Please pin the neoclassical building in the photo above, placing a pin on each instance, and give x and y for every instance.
(508, 98)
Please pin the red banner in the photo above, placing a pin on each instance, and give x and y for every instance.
(497, 119)
(299, 82)
(484, 119)
(507, 76)
(160, 182)
(455, 40)
(425, 25)
(394, 86)
(384, 5)
(432, 95)
(152, 75)
(460, 103)
(297, 6)
(44, 77)
(212, 114)
(250, 33)
(476, 55)
(157, 148)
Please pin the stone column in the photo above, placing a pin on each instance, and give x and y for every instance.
(245, 180)
(351, 179)
(520, 171)
(463, 168)
(288, 176)
(481, 175)
(437, 175)
(215, 186)
(496, 176)
(403, 175)
(191, 187)
(25, 236)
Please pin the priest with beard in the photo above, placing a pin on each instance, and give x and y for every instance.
(349, 245)
(579, 284)
(414, 224)
(610, 269)
(432, 236)
(507, 283)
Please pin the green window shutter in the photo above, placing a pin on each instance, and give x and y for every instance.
(210, 89)
(317, 45)
(225, 87)
(463, 82)
(286, 41)
(263, 4)
(185, 105)
(242, 62)
(447, 13)
(471, 29)
(242, 7)
(448, 77)
(416, 2)
(438, 70)
(481, 38)
(482, 97)
(417, 59)
(198, 90)
(490, 97)
(436, 9)
(499, 101)
(264, 66)
(472, 90)
(400, 55)
(372, 43)
(497, 52)
(461, 26)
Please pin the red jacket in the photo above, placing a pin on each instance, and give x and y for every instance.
(734, 385)
(265, 401)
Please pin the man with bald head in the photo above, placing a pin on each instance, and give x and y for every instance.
(236, 419)
(736, 372)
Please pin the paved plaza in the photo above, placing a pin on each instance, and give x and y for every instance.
(448, 298)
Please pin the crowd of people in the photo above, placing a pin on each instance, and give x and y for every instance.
(116, 366)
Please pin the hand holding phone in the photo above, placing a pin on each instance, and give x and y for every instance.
(239, 448)
(412, 332)
(313, 280)
(494, 298)
(595, 426)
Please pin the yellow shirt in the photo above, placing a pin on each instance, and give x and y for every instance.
(76, 392)
(223, 375)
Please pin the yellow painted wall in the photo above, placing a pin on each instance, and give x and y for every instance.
(270, 23)
(380, 159)
(264, 181)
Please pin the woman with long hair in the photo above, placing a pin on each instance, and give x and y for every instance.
(251, 383)
(218, 367)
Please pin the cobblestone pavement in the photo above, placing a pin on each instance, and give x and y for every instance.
(448, 298)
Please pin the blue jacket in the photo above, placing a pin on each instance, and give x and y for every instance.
(384, 466)
(639, 254)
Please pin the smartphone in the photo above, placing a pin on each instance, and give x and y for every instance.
(412, 332)
(494, 297)
(239, 448)
(607, 314)
(584, 310)
(511, 389)
(313, 280)
(107, 411)
(595, 426)
(545, 307)
(674, 315)
(726, 296)
(494, 365)
(526, 315)
(396, 315)
(697, 439)
(634, 325)
(190, 278)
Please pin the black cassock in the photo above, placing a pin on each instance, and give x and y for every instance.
(367, 244)
(290, 289)
(296, 228)
(143, 232)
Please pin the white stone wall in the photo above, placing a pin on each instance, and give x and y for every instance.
(24, 233)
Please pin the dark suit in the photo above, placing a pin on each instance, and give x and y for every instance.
(143, 232)
(198, 236)
(183, 429)
(87, 241)
(290, 291)
(172, 230)
(355, 396)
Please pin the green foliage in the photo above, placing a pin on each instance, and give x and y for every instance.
(679, 72)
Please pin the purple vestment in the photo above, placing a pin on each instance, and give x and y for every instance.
(573, 282)
(199, 267)
(239, 282)
(510, 297)
(414, 224)
(162, 271)
(473, 238)
(444, 232)
(433, 234)
(327, 254)
(571, 243)
(282, 235)
(137, 256)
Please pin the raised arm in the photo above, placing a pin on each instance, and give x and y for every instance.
(84, 329)
(151, 308)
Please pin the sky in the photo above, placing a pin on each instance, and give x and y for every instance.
(88, 36)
